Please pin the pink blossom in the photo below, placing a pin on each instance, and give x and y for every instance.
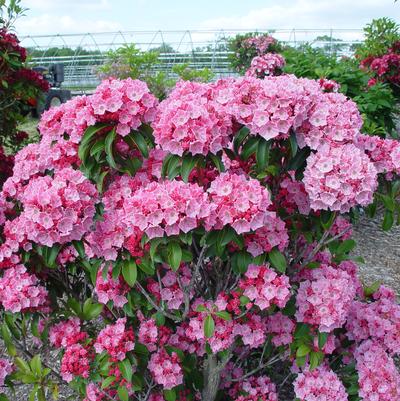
(166, 369)
(6, 368)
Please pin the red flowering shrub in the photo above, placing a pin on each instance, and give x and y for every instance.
(198, 248)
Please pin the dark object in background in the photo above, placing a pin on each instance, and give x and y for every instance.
(54, 75)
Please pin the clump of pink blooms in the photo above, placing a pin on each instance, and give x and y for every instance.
(167, 207)
(324, 300)
(378, 320)
(319, 384)
(166, 369)
(261, 43)
(148, 334)
(240, 202)
(75, 362)
(56, 209)
(332, 119)
(265, 287)
(339, 178)
(384, 153)
(259, 388)
(190, 120)
(21, 291)
(116, 340)
(293, 197)
(272, 234)
(93, 393)
(223, 336)
(109, 289)
(127, 103)
(267, 64)
(378, 377)
(281, 327)
(66, 333)
(329, 85)
(114, 231)
(6, 368)
(170, 290)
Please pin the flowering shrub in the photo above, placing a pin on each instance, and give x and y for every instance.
(20, 86)
(268, 64)
(197, 248)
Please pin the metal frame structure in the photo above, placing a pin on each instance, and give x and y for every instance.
(199, 48)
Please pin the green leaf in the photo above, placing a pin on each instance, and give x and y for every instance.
(110, 138)
(80, 248)
(388, 220)
(346, 246)
(224, 315)
(170, 395)
(107, 382)
(100, 181)
(91, 310)
(140, 143)
(97, 147)
(303, 350)
(249, 148)
(327, 218)
(22, 365)
(240, 262)
(277, 260)
(86, 139)
(126, 369)
(315, 359)
(209, 326)
(301, 331)
(201, 308)
(262, 153)
(217, 162)
(174, 255)
(36, 365)
(129, 272)
(173, 167)
(322, 339)
(293, 143)
(370, 290)
(239, 138)
(188, 163)
(123, 393)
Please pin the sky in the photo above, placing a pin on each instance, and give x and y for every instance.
(81, 16)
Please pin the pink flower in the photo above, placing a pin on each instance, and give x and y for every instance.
(166, 369)
(66, 333)
(319, 384)
(6, 368)
(75, 362)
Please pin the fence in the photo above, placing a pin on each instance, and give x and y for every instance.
(199, 49)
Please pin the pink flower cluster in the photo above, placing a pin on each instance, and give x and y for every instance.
(20, 291)
(116, 340)
(238, 201)
(6, 368)
(267, 64)
(166, 369)
(261, 43)
(113, 232)
(93, 393)
(148, 334)
(128, 103)
(171, 292)
(379, 320)
(273, 106)
(56, 209)
(256, 388)
(339, 178)
(319, 384)
(223, 336)
(265, 287)
(331, 119)
(107, 289)
(329, 85)
(167, 207)
(378, 377)
(66, 333)
(292, 196)
(251, 329)
(190, 120)
(386, 67)
(281, 327)
(384, 153)
(272, 234)
(75, 362)
(325, 299)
